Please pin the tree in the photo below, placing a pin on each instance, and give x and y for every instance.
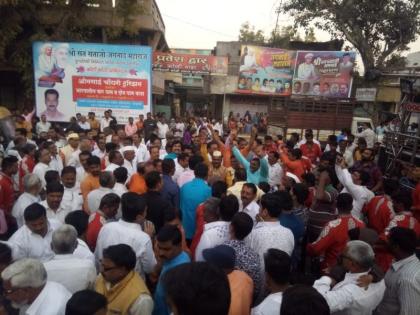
(248, 34)
(396, 62)
(23, 21)
(283, 37)
(310, 35)
(377, 29)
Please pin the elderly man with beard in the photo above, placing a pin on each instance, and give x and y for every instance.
(25, 284)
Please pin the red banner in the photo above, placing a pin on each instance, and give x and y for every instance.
(193, 64)
(119, 89)
(412, 107)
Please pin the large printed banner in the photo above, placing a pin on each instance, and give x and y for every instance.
(190, 64)
(265, 70)
(323, 73)
(75, 78)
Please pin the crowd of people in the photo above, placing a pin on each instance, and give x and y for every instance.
(193, 217)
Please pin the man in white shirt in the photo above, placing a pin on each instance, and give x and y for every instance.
(72, 197)
(32, 187)
(43, 158)
(236, 189)
(275, 171)
(72, 272)
(129, 231)
(346, 297)
(141, 152)
(100, 151)
(121, 176)
(56, 162)
(368, 134)
(277, 265)
(306, 70)
(83, 169)
(85, 125)
(74, 160)
(105, 121)
(33, 240)
(52, 203)
(181, 166)
(129, 154)
(79, 220)
(217, 232)
(346, 151)
(115, 161)
(179, 128)
(43, 125)
(40, 297)
(248, 203)
(163, 128)
(355, 185)
(106, 182)
(269, 233)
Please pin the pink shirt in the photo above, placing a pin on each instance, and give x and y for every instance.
(130, 129)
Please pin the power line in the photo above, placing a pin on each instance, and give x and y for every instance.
(199, 26)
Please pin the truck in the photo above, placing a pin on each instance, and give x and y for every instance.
(325, 117)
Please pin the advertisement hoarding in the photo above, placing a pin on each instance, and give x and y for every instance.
(366, 94)
(75, 78)
(323, 73)
(264, 70)
(190, 63)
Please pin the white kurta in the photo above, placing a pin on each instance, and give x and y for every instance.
(266, 235)
(21, 203)
(347, 298)
(215, 233)
(59, 214)
(122, 232)
(270, 306)
(26, 244)
(51, 301)
(73, 273)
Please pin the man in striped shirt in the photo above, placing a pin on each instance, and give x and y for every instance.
(402, 294)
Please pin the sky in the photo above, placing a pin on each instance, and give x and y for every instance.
(201, 23)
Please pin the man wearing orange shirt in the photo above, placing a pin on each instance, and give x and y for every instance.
(293, 162)
(137, 182)
(91, 180)
(310, 149)
(241, 285)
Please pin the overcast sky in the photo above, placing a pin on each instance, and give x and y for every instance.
(201, 23)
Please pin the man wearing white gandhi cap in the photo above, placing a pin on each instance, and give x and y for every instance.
(306, 70)
(130, 161)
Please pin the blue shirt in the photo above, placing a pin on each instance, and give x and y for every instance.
(171, 156)
(192, 194)
(260, 175)
(294, 223)
(170, 191)
(161, 308)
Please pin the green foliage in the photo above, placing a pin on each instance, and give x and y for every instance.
(310, 35)
(248, 34)
(396, 62)
(377, 29)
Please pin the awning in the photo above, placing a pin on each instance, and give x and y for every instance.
(388, 94)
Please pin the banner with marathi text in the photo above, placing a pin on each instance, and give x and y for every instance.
(75, 78)
(264, 70)
(323, 73)
(190, 64)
